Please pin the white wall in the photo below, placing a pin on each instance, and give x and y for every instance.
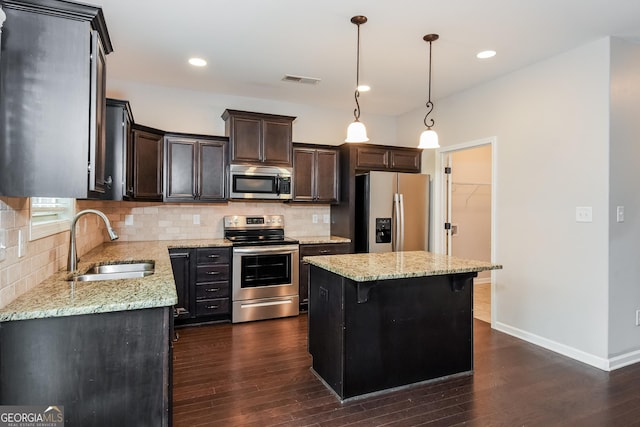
(624, 186)
(551, 124)
(182, 110)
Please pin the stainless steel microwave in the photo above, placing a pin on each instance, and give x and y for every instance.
(260, 182)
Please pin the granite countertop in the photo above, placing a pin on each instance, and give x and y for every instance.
(396, 265)
(56, 297)
(310, 240)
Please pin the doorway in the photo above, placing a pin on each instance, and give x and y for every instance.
(464, 212)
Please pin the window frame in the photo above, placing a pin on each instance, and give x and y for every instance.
(60, 210)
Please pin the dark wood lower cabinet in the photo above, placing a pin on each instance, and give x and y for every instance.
(202, 277)
(105, 369)
(311, 250)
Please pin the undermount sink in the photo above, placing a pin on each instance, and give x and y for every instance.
(116, 271)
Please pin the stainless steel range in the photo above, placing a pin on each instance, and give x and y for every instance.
(264, 280)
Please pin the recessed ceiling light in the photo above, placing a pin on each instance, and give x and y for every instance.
(364, 88)
(197, 62)
(486, 54)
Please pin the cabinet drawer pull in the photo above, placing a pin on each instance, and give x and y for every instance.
(213, 256)
(324, 251)
(213, 273)
(212, 307)
(212, 290)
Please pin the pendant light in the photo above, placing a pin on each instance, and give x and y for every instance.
(357, 132)
(429, 138)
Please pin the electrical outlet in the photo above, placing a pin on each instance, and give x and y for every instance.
(314, 218)
(128, 220)
(620, 214)
(637, 317)
(584, 214)
(196, 219)
(326, 218)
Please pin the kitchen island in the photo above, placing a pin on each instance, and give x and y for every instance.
(102, 349)
(381, 321)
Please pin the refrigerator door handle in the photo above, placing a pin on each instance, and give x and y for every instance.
(401, 236)
(395, 233)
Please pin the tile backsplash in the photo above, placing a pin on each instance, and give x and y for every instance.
(133, 221)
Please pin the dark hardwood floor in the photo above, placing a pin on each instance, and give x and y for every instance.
(257, 374)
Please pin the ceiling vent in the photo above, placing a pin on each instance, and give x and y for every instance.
(300, 79)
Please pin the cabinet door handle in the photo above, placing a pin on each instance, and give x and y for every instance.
(212, 290)
(213, 273)
(212, 307)
(213, 256)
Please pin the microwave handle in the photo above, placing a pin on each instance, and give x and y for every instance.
(278, 185)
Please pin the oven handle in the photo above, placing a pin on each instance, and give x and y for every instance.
(267, 303)
(265, 249)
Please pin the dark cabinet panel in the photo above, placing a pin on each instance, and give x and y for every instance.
(312, 250)
(147, 163)
(303, 174)
(181, 266)
(118, 146)
(393, 159)
(195, 169)
(50, 105)
(316, 177)
(405, 160)
(181, 163)
(212, 170)
(91, 364)
(372, 158)
(259, 138)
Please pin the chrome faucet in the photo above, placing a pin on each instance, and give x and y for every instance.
(72, 262)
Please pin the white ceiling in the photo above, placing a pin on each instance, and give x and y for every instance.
(251, 44)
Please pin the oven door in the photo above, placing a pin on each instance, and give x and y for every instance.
(265, 271)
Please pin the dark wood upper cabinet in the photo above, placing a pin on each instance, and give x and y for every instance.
(259, 138)
(52, 99)
(119, 119)
(146, 164)
(385, 158)
(195, 168)
(315, 174)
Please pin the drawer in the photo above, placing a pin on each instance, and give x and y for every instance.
(212, 256)
(212, 306)
(324, 249)
(212, 290)
(212, 273)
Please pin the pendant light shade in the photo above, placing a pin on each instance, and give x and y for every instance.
(429, 138)
(357, 132)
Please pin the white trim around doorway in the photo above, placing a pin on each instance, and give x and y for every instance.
(439, 210)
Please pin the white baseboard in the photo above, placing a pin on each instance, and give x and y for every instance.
(579, 355)
(623, 360)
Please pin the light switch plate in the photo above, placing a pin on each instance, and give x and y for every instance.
(325, 218)
(314, 218)
(128, 220)
(620, 214)
(196, 219)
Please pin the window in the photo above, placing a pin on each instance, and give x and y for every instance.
(50, 215)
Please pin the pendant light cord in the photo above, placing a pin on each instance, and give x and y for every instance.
(429, 103)
(356, 112)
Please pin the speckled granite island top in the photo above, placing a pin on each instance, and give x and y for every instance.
(57, 297)
(314, 240)
(396, 265)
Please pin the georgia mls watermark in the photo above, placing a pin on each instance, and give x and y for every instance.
(31, 416)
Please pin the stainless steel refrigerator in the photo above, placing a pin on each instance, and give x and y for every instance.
(392, 212)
